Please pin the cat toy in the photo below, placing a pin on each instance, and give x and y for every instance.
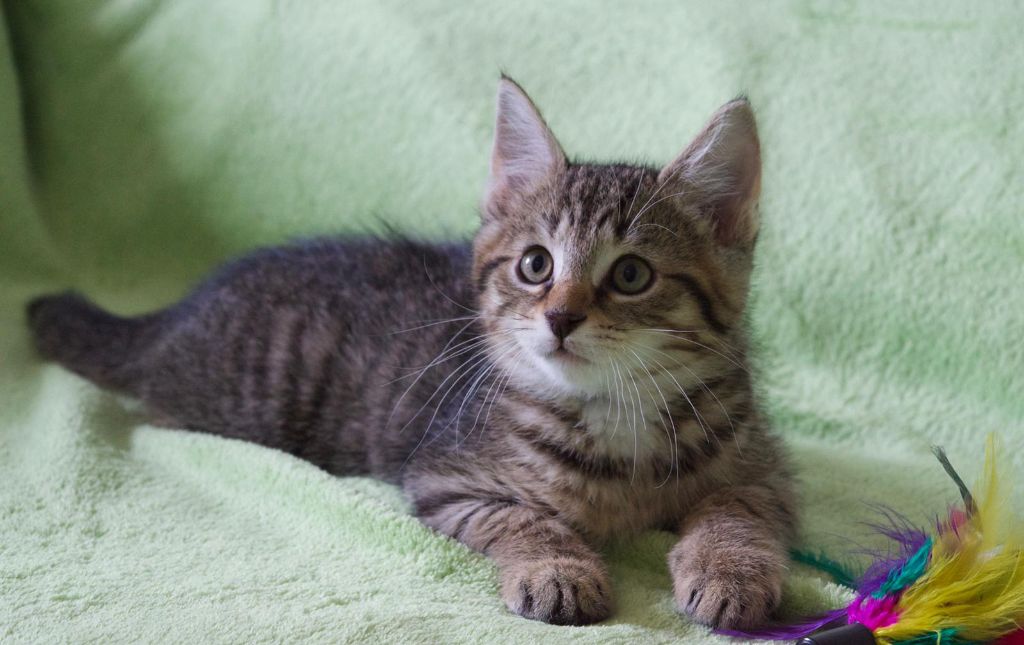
(961, 584)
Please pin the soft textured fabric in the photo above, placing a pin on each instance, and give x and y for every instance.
(142, 142)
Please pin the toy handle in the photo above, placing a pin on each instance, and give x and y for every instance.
(855, 634)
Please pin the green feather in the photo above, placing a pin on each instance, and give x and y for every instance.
(941, 637)
(907, 574)
(839, 573)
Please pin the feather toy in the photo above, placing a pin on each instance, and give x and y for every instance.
(961, 584)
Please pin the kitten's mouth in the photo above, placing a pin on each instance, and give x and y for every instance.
(567, 356)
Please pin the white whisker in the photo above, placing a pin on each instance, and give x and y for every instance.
(707, 389)
(426, 272)
(699, 344)
(608, 389)
(444, 349)
(433, 323)
(734, 352)
(647, 207)
(701, 422)
(667, 229)
(643, 208)
(477, 363)
(476, 387)
(670, 434)
(510, 371)
(618, 398)
(473, 362)
(636, 446)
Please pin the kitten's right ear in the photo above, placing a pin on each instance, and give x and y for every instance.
(526, 156)
(721, 170)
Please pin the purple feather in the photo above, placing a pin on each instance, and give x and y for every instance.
(781, 632)
(907, 540)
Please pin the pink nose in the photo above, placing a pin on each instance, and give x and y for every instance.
(563, 322)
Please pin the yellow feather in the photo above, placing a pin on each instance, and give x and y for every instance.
(975, 579)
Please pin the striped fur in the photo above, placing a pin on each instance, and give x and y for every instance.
(438, 367)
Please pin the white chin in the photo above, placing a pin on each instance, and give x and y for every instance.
(572, 375)
(559, 373)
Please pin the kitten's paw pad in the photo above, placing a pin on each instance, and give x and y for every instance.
(561, 591)
(727, 592)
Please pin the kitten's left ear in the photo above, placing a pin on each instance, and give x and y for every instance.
(526, 156)
(722, 170)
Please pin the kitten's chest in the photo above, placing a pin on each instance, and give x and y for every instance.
(637, 483)
(619, 432)
(604, 510)
(608, 472)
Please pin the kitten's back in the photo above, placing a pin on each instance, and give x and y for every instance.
(289, 347)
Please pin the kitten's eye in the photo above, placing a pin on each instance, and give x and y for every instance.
(631, 275)
(536, 265)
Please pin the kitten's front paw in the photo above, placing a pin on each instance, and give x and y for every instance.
(561, 591)
(726, 588)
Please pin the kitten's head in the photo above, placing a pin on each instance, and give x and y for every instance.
(590, 274)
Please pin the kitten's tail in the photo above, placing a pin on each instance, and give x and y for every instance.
(89, 341)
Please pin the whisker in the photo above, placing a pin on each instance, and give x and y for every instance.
(632, 202)
(499, 303)
(608, 388)
(456, 350)
(432, 323)
(426, 272)
(675, 331)
(667, 229)
(696, 414)
(470, 390)
(644, 207)
(478, 363)
(649, 206)
(475, 360)
(636, 444)
(475, 388)
(619, 403)
(735, 352)
(699, 344)
(670, 434)
(510, 372)
(444, 349)
(707, 389)
(618, 399)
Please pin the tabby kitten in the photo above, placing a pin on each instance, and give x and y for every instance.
(579, 373)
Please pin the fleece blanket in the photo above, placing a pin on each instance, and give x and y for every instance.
(142, 142)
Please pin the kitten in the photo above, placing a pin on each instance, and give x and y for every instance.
(579, 373)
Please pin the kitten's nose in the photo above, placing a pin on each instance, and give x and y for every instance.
(562, 322)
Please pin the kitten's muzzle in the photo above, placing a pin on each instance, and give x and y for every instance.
(563, 322)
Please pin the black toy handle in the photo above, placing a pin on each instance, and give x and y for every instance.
(855, 634)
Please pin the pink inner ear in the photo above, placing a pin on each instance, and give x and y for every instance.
(525, 155)
(723, 166)
(736, 216)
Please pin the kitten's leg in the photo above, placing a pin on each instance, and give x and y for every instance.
(727, 568)
(547, 571)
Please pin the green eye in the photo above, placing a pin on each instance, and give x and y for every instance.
(536, 265)
(631, 275)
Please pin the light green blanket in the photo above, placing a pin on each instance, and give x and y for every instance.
(142, 142)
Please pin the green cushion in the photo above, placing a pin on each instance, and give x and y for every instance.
(142, 142)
